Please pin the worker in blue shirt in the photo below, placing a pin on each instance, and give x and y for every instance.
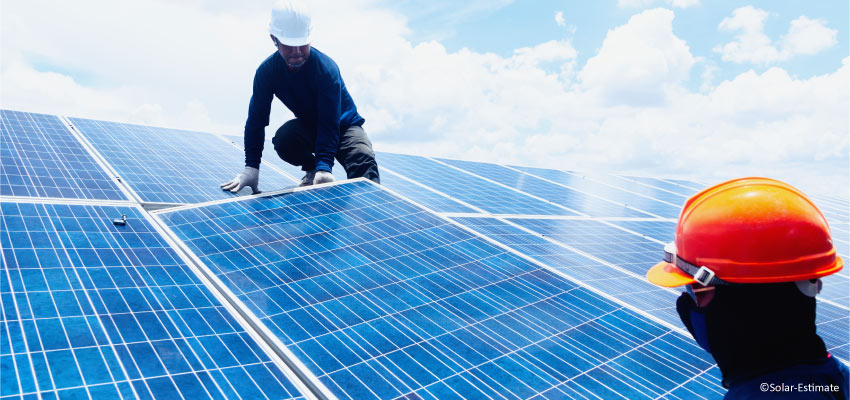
(751, 253)
(308, 82)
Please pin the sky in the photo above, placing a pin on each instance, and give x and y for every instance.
(696, 89)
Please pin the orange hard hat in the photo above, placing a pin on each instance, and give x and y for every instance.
(748, 230)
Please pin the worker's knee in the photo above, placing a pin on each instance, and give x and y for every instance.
(291, 140)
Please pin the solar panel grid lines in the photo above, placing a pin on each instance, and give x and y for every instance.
(122, 304)
(662, 185)
(386, 370)
(460, 185)
(620, 195)
(432, 199)
(631, 186)
(40, 157)
(573, 199)
(522, 190)
(167, 165)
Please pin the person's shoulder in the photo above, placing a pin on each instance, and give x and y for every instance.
(271, 62)
(326, 63)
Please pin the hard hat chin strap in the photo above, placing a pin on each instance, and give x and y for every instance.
(810, 287)
(702, 274)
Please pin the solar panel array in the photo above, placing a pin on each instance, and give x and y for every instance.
(452, 279)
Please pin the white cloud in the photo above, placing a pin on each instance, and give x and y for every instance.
(626, 109)
(559, 19)
(751, 44)
(640, 62)
(648, 3)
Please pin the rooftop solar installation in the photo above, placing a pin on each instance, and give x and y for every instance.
(168, 165)
(95, 310)
(382, 299)
(486, 195)
(40, 157)
(547, 190)
(623, 196)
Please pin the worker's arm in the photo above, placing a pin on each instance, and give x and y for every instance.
(329, 108)
(255, 132)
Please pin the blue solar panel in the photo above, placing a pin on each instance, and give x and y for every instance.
(381, 299)
(664, 185)
(95, 310)
(170, 165)
(627, 286)
(40, 157)
(467, 188)
(435, 201)
(635, 200)
(637, 254)
(558, 194)
(638, 188)
(662, 231)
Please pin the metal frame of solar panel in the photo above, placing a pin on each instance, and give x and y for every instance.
(381, 298)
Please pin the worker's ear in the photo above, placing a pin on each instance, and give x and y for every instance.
(274, 40)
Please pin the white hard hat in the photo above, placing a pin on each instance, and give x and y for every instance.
(291, 23)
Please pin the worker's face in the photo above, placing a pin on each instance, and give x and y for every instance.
(295, 56)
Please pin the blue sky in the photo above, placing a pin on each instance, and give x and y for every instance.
(705, 90)
(502, 26)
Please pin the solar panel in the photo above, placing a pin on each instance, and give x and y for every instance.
(95, 310)
(635, 200)
(40, 157)
(168, 165)
(638, 188)
(664, 185)
(547, 190)
(382, 299)
(618, 283)
(435, 201)
(472, 190)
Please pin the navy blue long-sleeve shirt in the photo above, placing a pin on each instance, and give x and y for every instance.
(315, 93)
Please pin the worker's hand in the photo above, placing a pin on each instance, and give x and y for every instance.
(323, 177)
(250, 177)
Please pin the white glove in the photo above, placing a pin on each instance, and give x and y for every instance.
(323, 177)
(250, 177)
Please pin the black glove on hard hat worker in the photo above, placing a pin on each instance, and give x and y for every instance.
(326, 126)
(751, 253)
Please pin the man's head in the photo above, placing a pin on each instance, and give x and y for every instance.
(290, 29)
(750, 253)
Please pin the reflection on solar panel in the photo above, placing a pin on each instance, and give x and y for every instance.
(467, 188)
(435, 201)
(382, 299)
(591, 186)
(664, 185)
(621, 284)
(39, 157)
(95, 310)
(558, 194)
(169, 165)
(641, 189)
(662, 231)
